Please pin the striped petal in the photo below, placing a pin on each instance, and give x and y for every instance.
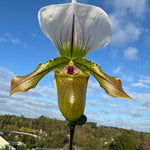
(75, 29)
(24, 83)
(112, 85)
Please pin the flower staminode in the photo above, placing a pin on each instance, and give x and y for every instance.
(71, 69)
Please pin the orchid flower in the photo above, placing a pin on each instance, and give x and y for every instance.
(75, 29)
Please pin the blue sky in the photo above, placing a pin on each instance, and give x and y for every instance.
(23, 46)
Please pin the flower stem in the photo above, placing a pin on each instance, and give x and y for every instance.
(72, 124)
(72, 130)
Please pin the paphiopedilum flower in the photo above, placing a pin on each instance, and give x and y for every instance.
(75, 29)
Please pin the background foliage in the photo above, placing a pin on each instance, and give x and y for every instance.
(54, 133)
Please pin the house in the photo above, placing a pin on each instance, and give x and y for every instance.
(1, 133)
(16, 144)
(4, 143)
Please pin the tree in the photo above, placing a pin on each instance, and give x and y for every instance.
(6, 148)
(92, 143)
(123, 142)
(80, 137)
(59, 139)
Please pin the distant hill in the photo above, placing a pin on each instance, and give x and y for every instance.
(53, 133)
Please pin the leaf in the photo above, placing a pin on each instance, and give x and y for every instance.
(112, 85)
(24, 83)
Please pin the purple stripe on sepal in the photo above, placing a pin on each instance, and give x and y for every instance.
(72, 36)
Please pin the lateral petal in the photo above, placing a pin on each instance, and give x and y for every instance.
(112, 85)
(24, 83)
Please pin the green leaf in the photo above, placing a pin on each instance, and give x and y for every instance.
(112, 85)
(24, 83)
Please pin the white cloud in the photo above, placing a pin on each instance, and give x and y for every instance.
(94, 103)
(91, 112)
(134, 113)
(117, 70)
(146, 103)
(48, 92)
(7, 37)
(135, 124)
(140, 85)
(106, 97)
(11, 38)
(127, 78)
(131, 53)
(93, 87)
(29, 106)
(145, 79)
(123, 18)
(29, 110)
(106, 112)
(114, 106)
(5, 78)
(140, 96)
(130, 112)
(2, 39)
(34, 35)
(137, 7)
(124, 34)
(143, 82)
(5, 74)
